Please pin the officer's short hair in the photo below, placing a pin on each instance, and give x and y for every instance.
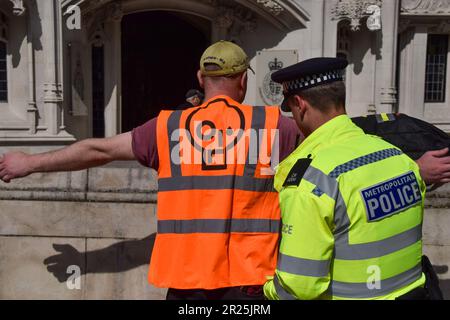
(324, 97)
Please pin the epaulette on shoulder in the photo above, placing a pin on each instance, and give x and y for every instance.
(297, 172)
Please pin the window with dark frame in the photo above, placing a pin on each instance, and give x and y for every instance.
(3, 73)
(436, 73)
(3, 56)
(98, 92)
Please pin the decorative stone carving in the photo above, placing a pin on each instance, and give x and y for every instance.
(388, 95)
(425, 7)
(94, 21)
(442, 27)
(234, 21)
(273, 6)
(403, 25)
(114, 11)
(18, 7)
(53, 93)
(97, 35)
(354, 11)
(374, 20)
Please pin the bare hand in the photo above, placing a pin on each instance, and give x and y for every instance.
(435, 166)
(14, 165)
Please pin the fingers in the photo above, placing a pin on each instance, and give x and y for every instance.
(53, 259)
(440, 153)
(62, 247)
(444, 169)
(4, 176)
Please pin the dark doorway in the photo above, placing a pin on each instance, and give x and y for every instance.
(160, 58)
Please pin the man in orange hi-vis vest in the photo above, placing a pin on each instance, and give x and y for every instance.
(218, 214)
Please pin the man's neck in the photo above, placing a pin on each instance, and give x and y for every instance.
(214, 93)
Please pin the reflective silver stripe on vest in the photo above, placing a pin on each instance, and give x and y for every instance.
(218, 226)
(173, 123)
(258, 123)
(281, 293)
(326, 184)
(387, 286)
(380, 248)
(215, 183)
(303, 267)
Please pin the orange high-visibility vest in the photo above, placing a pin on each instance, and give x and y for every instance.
(218, 212)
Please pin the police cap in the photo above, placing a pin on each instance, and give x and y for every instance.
(309, 74)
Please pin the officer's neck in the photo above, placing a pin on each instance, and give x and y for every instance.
(319, 119)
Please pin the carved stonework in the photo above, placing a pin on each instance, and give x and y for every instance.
(114, 11)
(234, 21)
(273, 6)
(18, 7)
(388, 95)
(425, 7)
(354, 11)
(403, 25)
(53, 93)
(97, 34)
(442, 27)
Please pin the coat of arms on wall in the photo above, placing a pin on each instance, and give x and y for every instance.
(268, 62)
(272, 91)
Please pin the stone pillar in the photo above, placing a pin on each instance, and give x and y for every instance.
(386, 100)
(317, 27)
(413, 56)
(50, 11)
(32, 110)
(113, 77)
(330, 30)
(113, 69)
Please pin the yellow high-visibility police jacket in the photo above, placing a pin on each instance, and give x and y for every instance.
(352, 211)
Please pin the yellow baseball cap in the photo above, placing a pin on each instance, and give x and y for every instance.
(229, 57)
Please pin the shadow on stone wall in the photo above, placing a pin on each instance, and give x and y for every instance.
(120, 257)
(444, 284)
(127, 255)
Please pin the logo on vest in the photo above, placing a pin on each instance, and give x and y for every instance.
(215, 145)
(391, 197)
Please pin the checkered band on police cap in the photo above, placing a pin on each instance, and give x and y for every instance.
(312, 81)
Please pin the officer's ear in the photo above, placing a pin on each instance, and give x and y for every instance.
(301, 105)
(201, 80)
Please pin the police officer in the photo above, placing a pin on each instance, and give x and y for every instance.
(352, 204)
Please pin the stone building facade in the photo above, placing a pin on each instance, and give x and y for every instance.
(76, 69)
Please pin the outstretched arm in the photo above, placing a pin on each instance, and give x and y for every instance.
(79, 156)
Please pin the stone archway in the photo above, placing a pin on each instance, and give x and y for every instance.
(228, 19)
(158, 64)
